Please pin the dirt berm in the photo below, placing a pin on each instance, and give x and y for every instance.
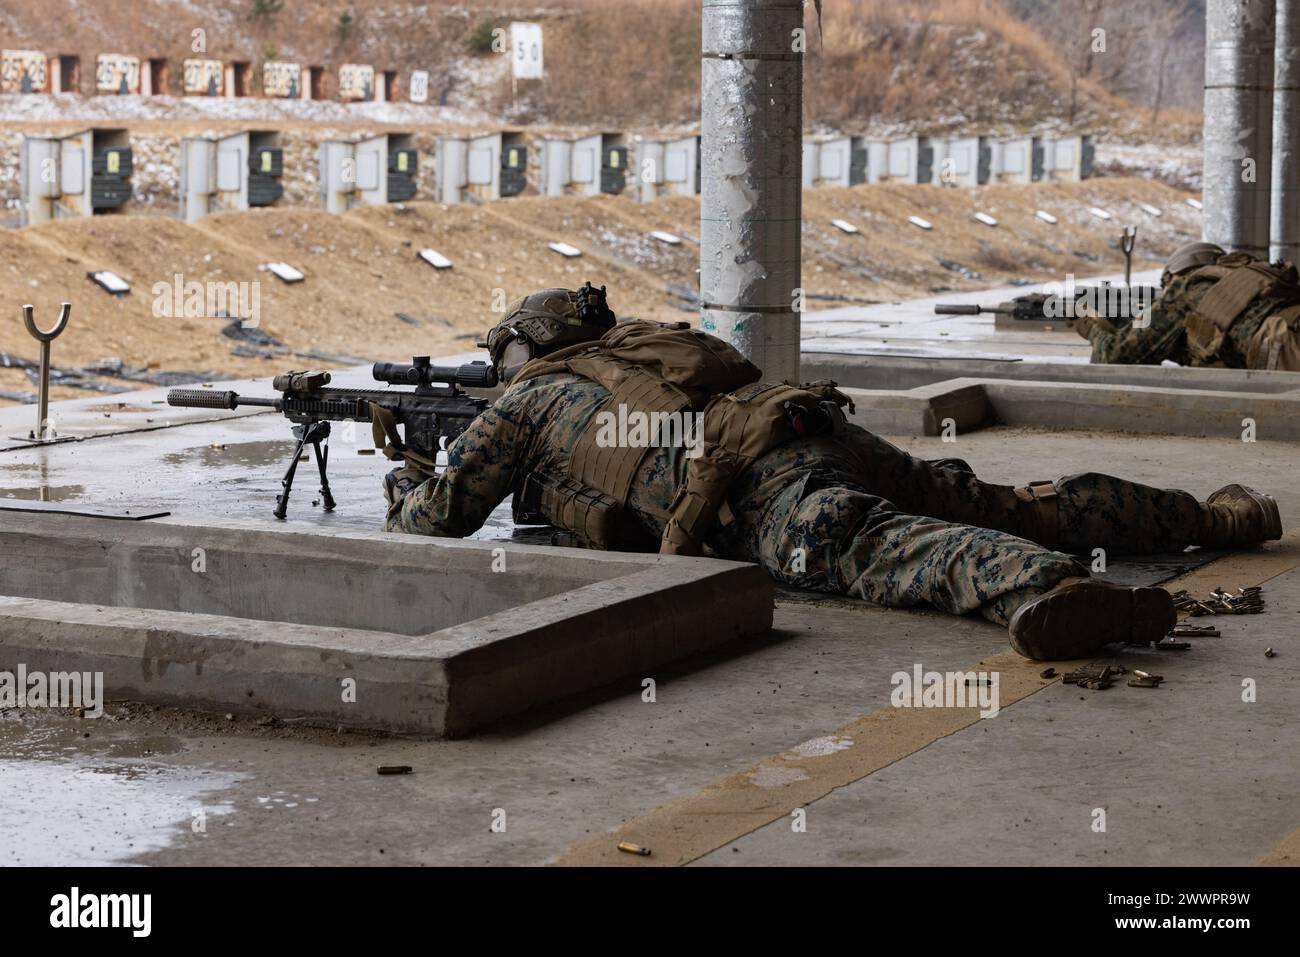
(368, 296)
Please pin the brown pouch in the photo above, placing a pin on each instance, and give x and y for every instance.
(1276, 343)
(591, 516)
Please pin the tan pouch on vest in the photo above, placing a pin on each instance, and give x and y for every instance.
(1276, 343)
(738, 428)
(592, 517)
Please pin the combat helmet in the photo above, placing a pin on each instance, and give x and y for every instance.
(1189, 256)
(542, 322)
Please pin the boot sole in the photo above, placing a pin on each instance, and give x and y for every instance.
(1083, 618)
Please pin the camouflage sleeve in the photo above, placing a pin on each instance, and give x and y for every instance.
(1156, 335)
(482, 465)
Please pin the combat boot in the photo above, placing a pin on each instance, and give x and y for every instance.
(1236, 515)
(1080, 615)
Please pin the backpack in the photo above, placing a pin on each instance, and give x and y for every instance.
(696, 364)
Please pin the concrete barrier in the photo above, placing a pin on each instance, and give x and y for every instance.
(384, 632)
(897, 372)
(910, 396)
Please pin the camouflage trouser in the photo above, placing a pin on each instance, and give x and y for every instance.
(857, 516)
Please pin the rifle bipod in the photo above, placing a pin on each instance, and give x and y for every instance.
(315, 433)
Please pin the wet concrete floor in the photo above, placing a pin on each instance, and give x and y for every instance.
(1206, 779)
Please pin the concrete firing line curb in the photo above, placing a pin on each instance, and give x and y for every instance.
(972, 404)
(732, 807)
(435, 641)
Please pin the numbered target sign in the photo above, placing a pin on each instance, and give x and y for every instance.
(356, 81)
(23, 71)
(526, 50)
(203, 77)
(419, 86)
(281, 79)
(115, 73)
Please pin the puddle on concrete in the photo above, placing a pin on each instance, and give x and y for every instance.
(251, 454)
(61, 805)
(45, 493)
(120, 407)
(72, 812)
(819, 747)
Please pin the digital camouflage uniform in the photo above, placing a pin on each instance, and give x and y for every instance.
(1165, 336)
(850, 514)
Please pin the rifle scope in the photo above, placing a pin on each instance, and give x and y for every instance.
(419, 372)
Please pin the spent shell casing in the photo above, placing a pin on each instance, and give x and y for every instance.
(1151, 681)
(627, 847)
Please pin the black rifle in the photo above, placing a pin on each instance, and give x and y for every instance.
(436, 412)
(1119, 304)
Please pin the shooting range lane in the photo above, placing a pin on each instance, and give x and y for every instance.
(912, 329)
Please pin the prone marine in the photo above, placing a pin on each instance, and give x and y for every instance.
(1215, 309)
(781, 478)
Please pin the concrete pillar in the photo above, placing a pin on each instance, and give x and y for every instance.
(1238, 123)
(1285, 220)
(750, 166)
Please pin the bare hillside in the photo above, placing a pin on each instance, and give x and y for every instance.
(367, 295)
(870, 65)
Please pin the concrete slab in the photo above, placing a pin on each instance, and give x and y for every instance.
(361, 629)
(879, 372)
(967, 404)
(279, 793)
(1201, 771)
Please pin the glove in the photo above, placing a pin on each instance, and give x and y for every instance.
(400, 482)
(1085, 324)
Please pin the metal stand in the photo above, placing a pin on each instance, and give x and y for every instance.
(313, 433)
(43, 433)
(1127, 240)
